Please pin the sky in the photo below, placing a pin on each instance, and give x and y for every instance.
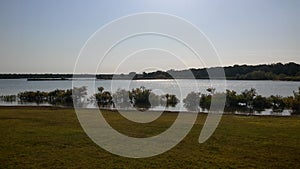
(46, 36)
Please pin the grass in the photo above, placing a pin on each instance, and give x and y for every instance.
(44, 137)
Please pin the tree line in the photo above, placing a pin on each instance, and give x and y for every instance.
(247, 101)
(55, 97)
(143, 99)
(140, 98)
(278, 71)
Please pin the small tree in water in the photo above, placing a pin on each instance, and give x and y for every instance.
(139, 97)
(78, 94)
(103, 98)
(191, 102)
(277, 103)
(169, 100)
(247, 97)
(296, 102)
(121, 98)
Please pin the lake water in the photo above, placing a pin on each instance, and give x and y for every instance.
(179, 87)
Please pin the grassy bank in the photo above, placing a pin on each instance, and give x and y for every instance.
(44, 137)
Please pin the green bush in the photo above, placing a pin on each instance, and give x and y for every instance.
(103, 98)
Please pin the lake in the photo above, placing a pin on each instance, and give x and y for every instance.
(179, 87)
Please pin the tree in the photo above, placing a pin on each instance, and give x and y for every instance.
(103, 98)
(296, 102)
(139, 97)
(277, 103)
(78, 94)
(205, 101)
(191, 102)
(121, 98)
(169, 100)
(231, 99)
(247, 97)
(260, 103)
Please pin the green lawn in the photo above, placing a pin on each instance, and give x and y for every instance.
(40, 137)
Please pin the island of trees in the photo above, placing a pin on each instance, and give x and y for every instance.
(278, 71)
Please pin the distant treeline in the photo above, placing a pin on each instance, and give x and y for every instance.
(278, 71)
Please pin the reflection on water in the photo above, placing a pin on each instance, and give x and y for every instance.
(267, 112)
(19, 103)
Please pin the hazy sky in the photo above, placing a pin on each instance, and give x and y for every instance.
(47, 35)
